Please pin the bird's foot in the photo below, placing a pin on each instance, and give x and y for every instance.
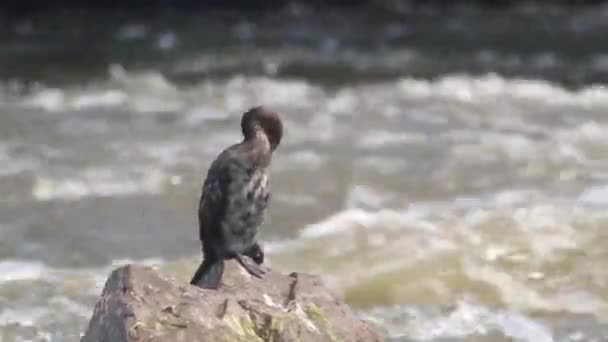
(251, 266)
(256, 253)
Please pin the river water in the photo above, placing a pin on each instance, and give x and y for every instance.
(447, 173)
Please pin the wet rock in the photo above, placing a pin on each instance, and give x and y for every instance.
(140, 304)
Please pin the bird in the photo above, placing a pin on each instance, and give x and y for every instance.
(235, 197)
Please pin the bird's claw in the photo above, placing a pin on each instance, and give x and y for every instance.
(256, 253)
(251, 266)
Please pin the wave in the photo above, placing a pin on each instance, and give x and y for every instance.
(461, 321)
(101, 182)
(151, 91)
(464, 133)
(540, 256)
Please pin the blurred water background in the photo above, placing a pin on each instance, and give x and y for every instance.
(448, 172)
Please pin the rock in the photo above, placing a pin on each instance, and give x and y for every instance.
(140, 304)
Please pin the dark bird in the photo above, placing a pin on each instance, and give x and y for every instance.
(235, 197)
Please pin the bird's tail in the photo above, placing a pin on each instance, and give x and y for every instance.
(209, 274)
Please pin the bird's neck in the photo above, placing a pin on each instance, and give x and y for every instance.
(259, 147)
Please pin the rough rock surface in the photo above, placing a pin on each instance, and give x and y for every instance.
(140, 304)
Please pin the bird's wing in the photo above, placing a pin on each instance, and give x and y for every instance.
(213, 201)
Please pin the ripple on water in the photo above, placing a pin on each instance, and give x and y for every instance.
(467, 321)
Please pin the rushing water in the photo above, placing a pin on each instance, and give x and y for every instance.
(449, 174)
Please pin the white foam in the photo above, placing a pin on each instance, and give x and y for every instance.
(347, 220)
(467, 320)
(26, 317)
(104, 98)
(68, 305)
(150, 91)
(376, 138)
(596, 195)
(239, 92)
(99, 182)
(67, 283)
(145, 262)
(510, 245)
(16, 270)
(12, 164)
(150, 81)
(142, 92)
(201, 113)
(493, 87)
(362, 196)
(50, 99)
(303, 159)
(461, 322)
(338, 223)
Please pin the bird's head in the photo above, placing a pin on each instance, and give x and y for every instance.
(261, 120)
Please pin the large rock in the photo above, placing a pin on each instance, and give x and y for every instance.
(140, 304)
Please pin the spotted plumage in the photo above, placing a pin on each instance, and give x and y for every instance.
(235, 199)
